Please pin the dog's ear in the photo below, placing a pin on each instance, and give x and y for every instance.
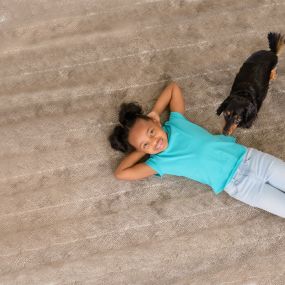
(250, 115)
(222, 107)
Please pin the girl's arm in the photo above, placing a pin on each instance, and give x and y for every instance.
(171, 96)
(130, 169)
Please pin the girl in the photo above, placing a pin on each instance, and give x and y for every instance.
(183, 148)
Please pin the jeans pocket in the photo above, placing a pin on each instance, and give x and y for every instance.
(234, 188)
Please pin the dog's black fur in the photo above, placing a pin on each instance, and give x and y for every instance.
(250, 86)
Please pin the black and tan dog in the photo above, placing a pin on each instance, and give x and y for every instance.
(250, 87)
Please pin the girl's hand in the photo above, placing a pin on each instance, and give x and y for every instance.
(153, 115)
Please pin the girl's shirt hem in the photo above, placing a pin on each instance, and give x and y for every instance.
(195, 153)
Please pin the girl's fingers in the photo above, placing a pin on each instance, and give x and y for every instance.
(154, 116)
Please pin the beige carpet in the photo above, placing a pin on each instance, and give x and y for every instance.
(65, 68)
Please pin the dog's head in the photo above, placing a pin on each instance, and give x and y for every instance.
(237, 111)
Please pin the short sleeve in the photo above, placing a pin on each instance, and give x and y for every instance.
(151, 163)
(177, 119)
(175, 116)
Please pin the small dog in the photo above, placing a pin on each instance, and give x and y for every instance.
(250, 87)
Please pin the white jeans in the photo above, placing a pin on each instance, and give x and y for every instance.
(260, 182)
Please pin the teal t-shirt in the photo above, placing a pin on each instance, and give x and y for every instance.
(195, 153)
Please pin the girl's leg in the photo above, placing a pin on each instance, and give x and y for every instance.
(268, 168)
(260, 182)
(259, 195)
(271, 200)
(276, 173)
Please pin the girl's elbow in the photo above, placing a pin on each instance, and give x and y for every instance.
(174, 84)
(120, 175)
(125, 175)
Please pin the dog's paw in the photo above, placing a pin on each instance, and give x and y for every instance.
(273, 74)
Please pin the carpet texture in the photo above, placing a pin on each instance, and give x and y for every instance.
(66, 66)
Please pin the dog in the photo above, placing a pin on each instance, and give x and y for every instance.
(250, 86)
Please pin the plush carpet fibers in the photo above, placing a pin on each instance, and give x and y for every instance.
(66, 66)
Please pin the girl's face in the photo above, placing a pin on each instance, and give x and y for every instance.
(148, 136)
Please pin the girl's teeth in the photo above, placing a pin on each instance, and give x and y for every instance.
(159, 145)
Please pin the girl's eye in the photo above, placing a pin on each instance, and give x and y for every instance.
(152, 132)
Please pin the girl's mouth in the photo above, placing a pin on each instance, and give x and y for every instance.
(159, 144)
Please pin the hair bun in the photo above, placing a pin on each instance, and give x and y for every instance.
(129, 112)
(118, 139)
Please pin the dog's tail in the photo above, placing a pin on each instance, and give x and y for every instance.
(276, 42)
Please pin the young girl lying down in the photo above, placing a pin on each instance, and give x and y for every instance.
(182, 148)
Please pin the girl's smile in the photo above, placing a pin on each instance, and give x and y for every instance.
(148, 136)
(159, 145)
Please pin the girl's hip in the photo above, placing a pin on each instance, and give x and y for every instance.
(251, 175)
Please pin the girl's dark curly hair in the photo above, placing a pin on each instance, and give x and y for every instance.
(129, 113)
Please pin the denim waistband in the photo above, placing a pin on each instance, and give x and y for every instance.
(243, 169)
